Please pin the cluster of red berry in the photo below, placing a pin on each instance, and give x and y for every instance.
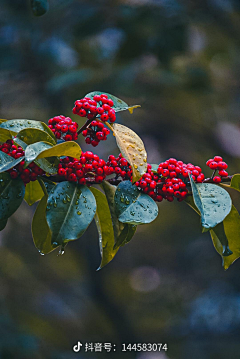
(95, 133)
(120, 166)
(100, 106)
(89, 166)
(26, 174)
(170, 180)
(217, 164)
(64, 128)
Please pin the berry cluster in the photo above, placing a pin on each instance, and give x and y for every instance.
(170, 181)
(89, 167)
(26, 174)
(217, 164)
(100, 106)
(64, 128)
(120, 166)
(95, 133)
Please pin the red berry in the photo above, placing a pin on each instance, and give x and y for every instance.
(217, 179)
(104, 117)
(72, 128)
(223, 173)
(68, 138)
(217, 158)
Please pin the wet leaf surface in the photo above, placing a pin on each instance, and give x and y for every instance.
(133, 206)
(70, 210)
(132, 148)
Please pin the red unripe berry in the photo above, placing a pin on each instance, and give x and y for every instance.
(213, 165)
(223, 173)
(153, 184)
(217, 158)
(68, 138)
(165, 173)
(86, 106)
(72, 177)
(72, 128)
(110, 102)
(88, 167)
(209, 161)
(88, 140)
(99, 179)
(217, 179)
(64, 128)
(97, 98)
(104, 117)
(13, 173)
(100, 135)
(62, 172)
(82, 113)
(222, 166)
(82, 181)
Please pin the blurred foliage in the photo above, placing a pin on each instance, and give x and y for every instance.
(180, 61)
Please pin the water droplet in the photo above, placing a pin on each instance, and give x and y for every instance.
(55, 205)
(61, 251)
(48, 208)
(127, 201)
(55, 244)
(64, 200)
(135, 166)
(68, 198)
(11, 125)
(42, 254)
(77, 202)
(79, 213)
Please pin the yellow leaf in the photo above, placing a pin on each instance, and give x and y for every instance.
(132, 148)
(69, 148)
(130, 109)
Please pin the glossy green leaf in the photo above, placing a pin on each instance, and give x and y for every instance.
(110, 194)
(219, 233)
(126, 235)
(32, 135)
(5, 135)
(133, 206)
(235, 182)
(3, 224)
(49, 165)
(8, 162)
(154, 168)
(119, 105)
(105, 228)
(70, 210)
(40, 230)
(212, 201)
(11, 195)
(69, 148)
(32, 151)
(16, 126)
(123, 232)
(33, 192)
(231, 226)
(46, 184)
(39, 7)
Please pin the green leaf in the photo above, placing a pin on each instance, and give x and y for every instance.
(132, 148)
(8, 162)
(235, 182)
(110, 194)
(119, 105)
(16, 126)
(133, 206)
(11, 195)
(126, 235)
(212, 201)
(5, 135)
(70, 210)
(123, 232)
(32, 151)
(46, 185)
(40, 230)
(32, 135)
(39, 7)
(231, 226)
(69, 148)
(219, 233)
(154, 168)
(49, 165)
(33, 192)
(105, 228)
(3, 224)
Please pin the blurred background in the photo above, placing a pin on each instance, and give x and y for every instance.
(181, 61)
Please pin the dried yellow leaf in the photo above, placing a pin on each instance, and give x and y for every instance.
(132, 148)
